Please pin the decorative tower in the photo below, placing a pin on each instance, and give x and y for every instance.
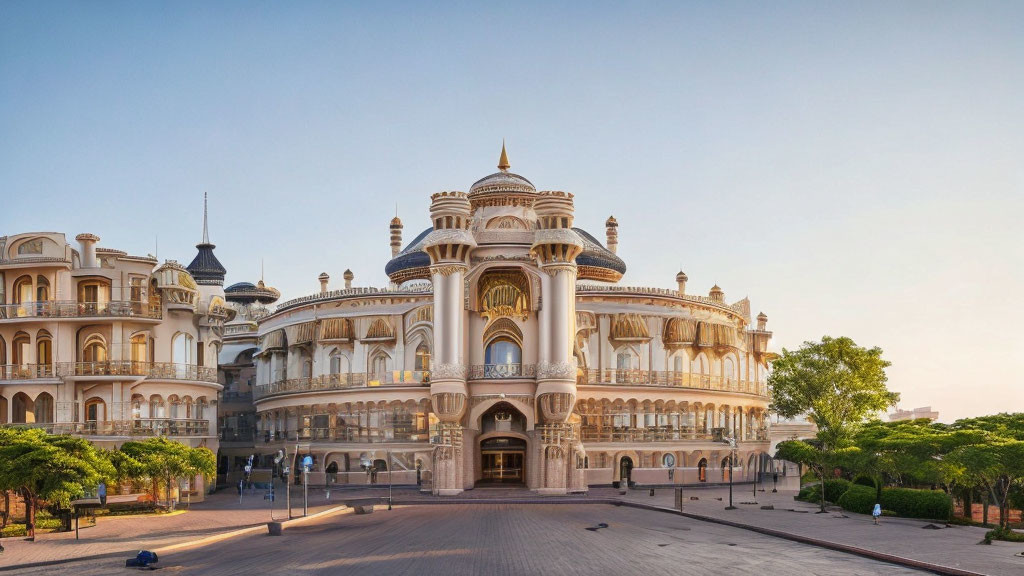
(716, 294)
(556, 246)
(762, 322)
(448, 246)
(205, 268)
(681, 281)
(611, 228)
(349, 277)
(396, 236)
(324, 278)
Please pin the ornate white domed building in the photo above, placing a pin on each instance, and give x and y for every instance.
(505, 351)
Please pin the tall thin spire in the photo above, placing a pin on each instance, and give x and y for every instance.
(503, 164)
(206, 230)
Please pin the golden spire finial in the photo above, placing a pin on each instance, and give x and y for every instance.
(503, 164)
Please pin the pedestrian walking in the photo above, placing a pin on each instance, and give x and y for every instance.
(876, 512)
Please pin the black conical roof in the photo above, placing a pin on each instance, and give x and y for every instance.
(205, 267)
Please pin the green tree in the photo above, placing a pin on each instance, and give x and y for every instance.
(160, 459)
(836, 383)
(46, 468)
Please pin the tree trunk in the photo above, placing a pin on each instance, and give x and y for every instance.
(30, 516)
(984, 510)
(821, 476)
(969, 504)
(7, 509)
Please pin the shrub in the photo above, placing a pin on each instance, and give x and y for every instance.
(859, 499)
(864, 480)
(930, 504)
(1003, 534)
(810, 493)
(835, 488)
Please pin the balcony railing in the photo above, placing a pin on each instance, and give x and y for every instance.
(499, 371)
(76, 309)
(25, 371)
(137, 427)
(156, 370)
(661, 434)
(345, 434)
(671, 379)
(343, 382)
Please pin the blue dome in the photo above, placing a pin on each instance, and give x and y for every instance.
(411, 258)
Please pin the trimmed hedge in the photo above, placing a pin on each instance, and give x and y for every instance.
(908, 503)
(859, 499)
(834, 488)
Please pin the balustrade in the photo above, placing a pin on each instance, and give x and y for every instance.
(501, 371)
(136, 427)
(670, 379)
(343, 382)
(156, 370)
(25, 371)
(76, 309)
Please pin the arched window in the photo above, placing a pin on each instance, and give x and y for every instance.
(729, 368)
(42, 289)
(339, 363)
(44, 348)
(702, 470)
(668, 460)
(156, 407)
(175, 404)
(677, 363)
(3, 410)
(200, 408)
(95, 410)
(136, 406)
(95, 349)
(502, 351)
(183, 349)
(20, 349)
(23, 290)
(44, 408)
(379, 365)
(422, 357)
(624, 360)
(139, 350)
(307, 367)
(3, 348)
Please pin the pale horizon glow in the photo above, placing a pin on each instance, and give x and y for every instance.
(855, 170)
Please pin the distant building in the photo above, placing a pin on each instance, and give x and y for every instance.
(923, 412)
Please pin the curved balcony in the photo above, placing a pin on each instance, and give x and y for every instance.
(501, 371)
(141, 427)
(74, 309)
(155, 370)
(609, 377)
(25, 371)
(343, 382)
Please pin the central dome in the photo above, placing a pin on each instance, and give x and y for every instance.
(502, 182)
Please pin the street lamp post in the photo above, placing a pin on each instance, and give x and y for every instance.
(732, 465)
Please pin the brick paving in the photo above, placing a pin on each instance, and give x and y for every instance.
(118, 534)
(954, 547)
(507, 539)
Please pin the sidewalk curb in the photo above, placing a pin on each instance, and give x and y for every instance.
(882, 556)
(231, 533)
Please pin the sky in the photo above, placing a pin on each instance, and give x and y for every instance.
(854, 169)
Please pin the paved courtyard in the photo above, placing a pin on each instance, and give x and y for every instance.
(503, 539)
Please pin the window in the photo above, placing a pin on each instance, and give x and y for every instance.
(23, 290)
(422, 357)
(30, 247)
(183, 349)
(677, 364)
(668, 461)
(702, 470)
(136, 290)
(44, 351)
(44, 408)
(138, 348)
(42, 289)
(502, 351)
(624, 360)
(20, 347)
(339, 364)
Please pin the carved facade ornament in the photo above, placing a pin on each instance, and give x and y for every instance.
(630, 328)
(503, 327)
(680, 332)
(556, 371)
(504, 294)
(508, 223)
(336, 329)
(379, 330)
(448, 269)
(448, 372)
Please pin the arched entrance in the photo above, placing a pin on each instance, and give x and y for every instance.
(502, 460)
(626, 471)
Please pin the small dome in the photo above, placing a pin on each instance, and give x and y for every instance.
(324, 276)
(348, 275)
(681, 277)
(247, 293)
(762, 317)
(396, 221)
(611, 222)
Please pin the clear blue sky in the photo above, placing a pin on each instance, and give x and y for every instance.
(856, 170)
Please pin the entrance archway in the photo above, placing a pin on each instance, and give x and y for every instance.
(626, 471)
(502, 460)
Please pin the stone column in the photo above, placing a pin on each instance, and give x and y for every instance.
(449, 246)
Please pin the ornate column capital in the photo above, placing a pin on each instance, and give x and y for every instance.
(448, 269)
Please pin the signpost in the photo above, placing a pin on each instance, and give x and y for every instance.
(307, 464)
